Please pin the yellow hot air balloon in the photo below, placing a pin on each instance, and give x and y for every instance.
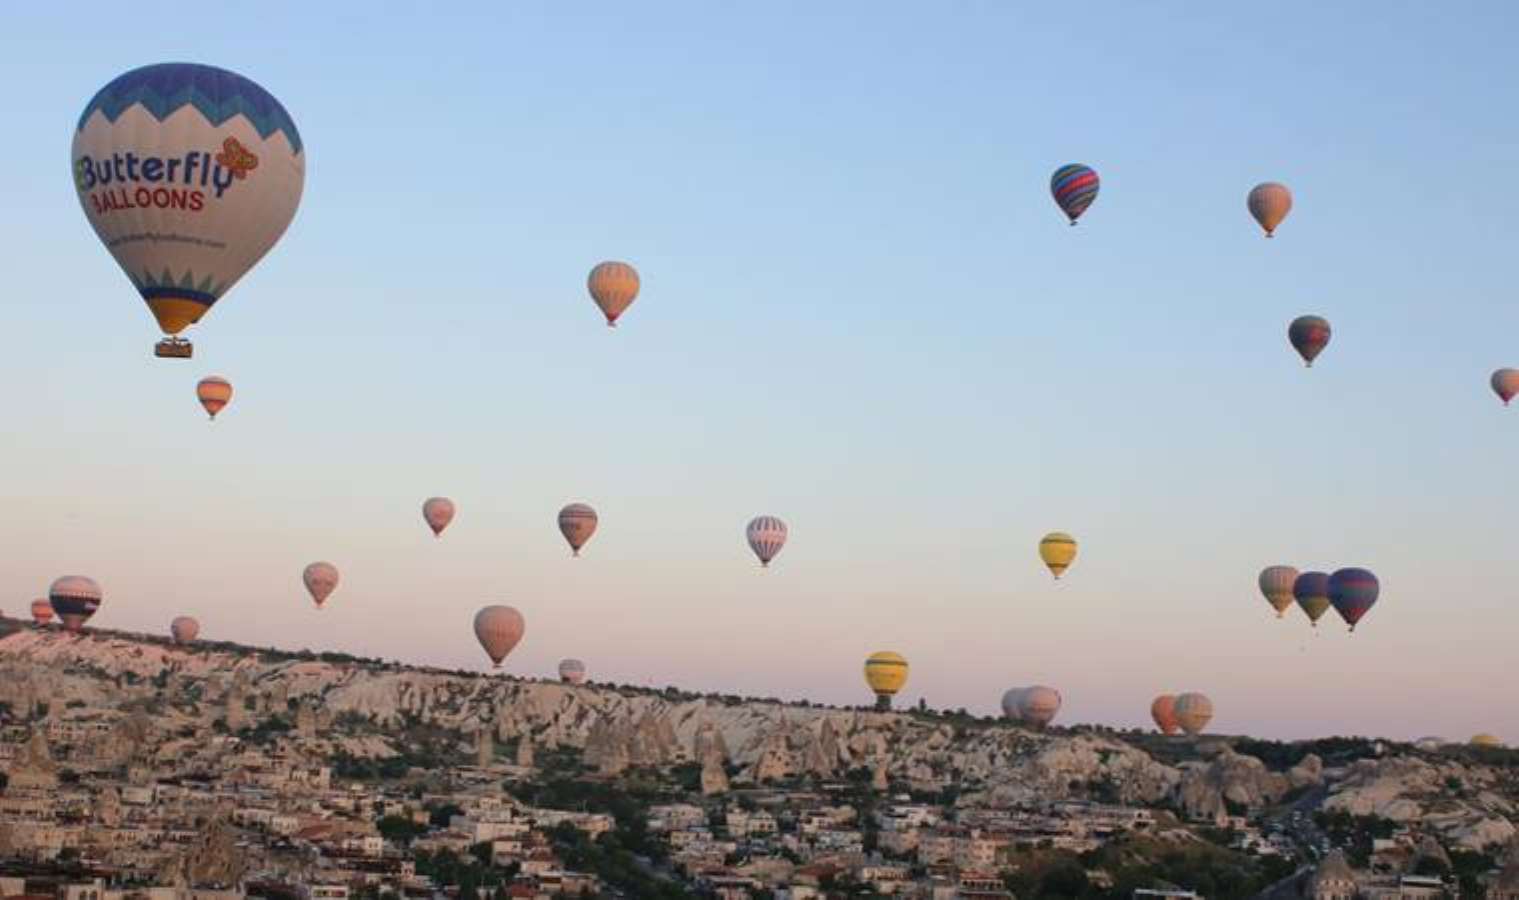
(1058, 550)
(1486, 740)
(886, 673)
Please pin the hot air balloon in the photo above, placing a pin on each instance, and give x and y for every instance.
(42, 611)
(498, 629)
(437, 512)
(184, 629)
(1038, 705)
(1269, 203)
(577, 522)
(1311, 591)
(886, 673)
(1276, 583)
(1353, 593)
(1074, 187)
(1010, 704)
(75, 599)
(571, 671)
(1309, 335)
(767, 535)
(321, 580)
(189, 174)
(214, 393)
(614, 286)
(1486, 740)
(1506, 384)
(1163, 711)
(1193, 713)
(1058, 550)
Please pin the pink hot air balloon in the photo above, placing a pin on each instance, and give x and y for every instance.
(1506, 384)
(184, 629)
(1038, 705)
(499, 628)
(767, 535)
(214, 393)
(438, 512)
(321, 580)
(1269, 203)
(577, 522)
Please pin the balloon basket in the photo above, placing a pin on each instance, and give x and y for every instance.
(173, 348)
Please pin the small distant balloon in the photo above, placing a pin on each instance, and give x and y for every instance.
(75, 599)
(1276, 584)
(1193, 712)
(184, 629)
(437, 512)
(1074, 187)
(214, 393)
(614, 287)
(1038, 705)
(571, 671)
(1269, 203)
(1163, 711)
(1311, 591)
(1506, 384)
(766, 535)
(1486, 740)
(577, 522)
(321, 580)
(1309, 336)
(499, 628)
(42, 611)
(1058, 550)
(1353, 593)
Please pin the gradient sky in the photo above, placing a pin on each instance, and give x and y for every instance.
(861, 312)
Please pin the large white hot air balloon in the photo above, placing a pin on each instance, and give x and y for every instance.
(189, 174)
(767, 535)
(498, 628)
(321, 580)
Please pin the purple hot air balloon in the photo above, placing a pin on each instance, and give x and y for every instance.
(1311, 590)
(1353, 593)
(1309, 336)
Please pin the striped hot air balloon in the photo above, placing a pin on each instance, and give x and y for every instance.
(1505, 384)
(499, 629)
(766, 535)
(1311, 591)
(1309, 335)
(577, 522)
(1353, 593)
(214, 393)
(614, 287)
(1074, 187)
(75, 599)
(1058, 550)
(1269, 203)
(1193, 712)
(1276, 584)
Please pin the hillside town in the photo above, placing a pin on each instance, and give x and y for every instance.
(137, 769)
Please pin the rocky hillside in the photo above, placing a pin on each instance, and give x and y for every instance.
(367, 709)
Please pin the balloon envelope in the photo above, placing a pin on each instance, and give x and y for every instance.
(1163, 711)
(1311, 591)
(1010, 708)
(614, 286)
(766, 536)
(1276, 584)
(42, 611)
(184, 629)
(321, 580)
(577, 522)
(499, 628)
(571, 671)
(1074, 187)
(1486, 740)
(1058, 550)
(1353, 593)
(437, 512)
(75, 599)
(886, 674)
(1309, 335)
(1269, 203)
(1193, 712)
(1038, 705)
(214, 393)
(189, 174)
(1506, 384)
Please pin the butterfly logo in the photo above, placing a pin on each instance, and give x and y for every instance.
(236, 159)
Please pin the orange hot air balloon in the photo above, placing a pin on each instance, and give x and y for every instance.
(42, 611)
(1163, 711)
(614, 286)
(214, 393)
(438, 512)
(499, 628)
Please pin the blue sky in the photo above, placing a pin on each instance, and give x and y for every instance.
(860, 312)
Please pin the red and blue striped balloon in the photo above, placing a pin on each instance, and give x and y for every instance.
(1074, 187)
(1353, 593)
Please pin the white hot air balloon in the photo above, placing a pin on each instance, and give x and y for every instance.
(437, 512)
(767, 535)
(499, 628)
(321, 580)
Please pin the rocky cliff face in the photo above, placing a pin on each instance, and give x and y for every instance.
(1468, 805)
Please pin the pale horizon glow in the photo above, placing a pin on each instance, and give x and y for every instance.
(860, 312)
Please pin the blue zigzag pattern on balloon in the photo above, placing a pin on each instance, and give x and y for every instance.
(216, 93)
(146, 282)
